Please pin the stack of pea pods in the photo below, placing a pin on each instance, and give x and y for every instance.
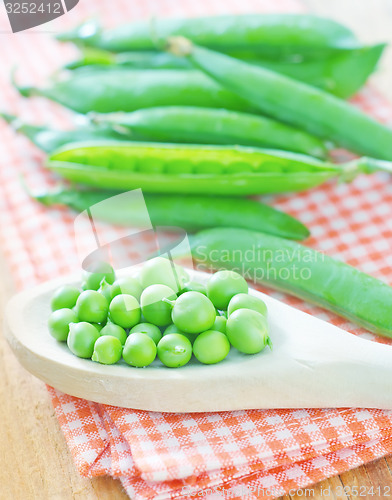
(201, 113)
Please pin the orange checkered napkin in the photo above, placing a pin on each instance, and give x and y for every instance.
(254, 453)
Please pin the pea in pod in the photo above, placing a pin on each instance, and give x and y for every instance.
(341, 74)
(190, 213)
(211, 126)
(196, 169)
(128, 90)
(292, 102)
(300, 271)
(49, 139)
(275, 35)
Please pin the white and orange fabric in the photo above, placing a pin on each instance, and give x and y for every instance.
(259, 453)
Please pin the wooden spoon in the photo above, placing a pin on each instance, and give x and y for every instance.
(313, 364)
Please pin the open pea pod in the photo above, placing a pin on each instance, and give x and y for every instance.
(275, 35)
(300, 271)
(341, 74)
(197, 169)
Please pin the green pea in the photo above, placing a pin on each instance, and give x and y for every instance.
(247, 331)
(211, 347)
(194, 286)
(174, 350)
(270, 166)
(97, 326)
(106, 290)
(223, 285)
(153, 165)
(148, 329)
(64, 297)
(161, 271)
(240, 167)
(127, 285)
(81, 339)
(124, 310)
(59, 322)
(139, 350)
(107, 350)
(113, 330)
(96, 273)
(176, 167)
(173, 329)
(246, 301)
(193, 312)
(92, 307)
(220, 324)
(154, 309)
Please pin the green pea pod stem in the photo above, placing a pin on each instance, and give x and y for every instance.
(190, 213)
(293, 102)
(293, 268)
(341, 74)
(196, 169)
(49, 140)
(211, 126)
(128, 90)
(275, 35)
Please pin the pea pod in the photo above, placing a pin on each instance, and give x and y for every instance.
(127, 90)
(206, 125)
(341, 74)
(275, 35)
(196, 169)
(292, 102)
(49, 139)
(300, 271)
(190, 213)
(211, 126)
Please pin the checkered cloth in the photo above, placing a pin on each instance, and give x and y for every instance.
(254, 453)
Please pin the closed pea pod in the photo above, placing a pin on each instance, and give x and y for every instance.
(127, 90)
(215, 170)
(341, 73)
(276, 35)
(293, 102)
(183, 211)
(300, 271)
(49, 139)
(211, 126)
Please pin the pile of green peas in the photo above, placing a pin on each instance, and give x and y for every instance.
(159, 313)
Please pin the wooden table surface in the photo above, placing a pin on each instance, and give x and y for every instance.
(35, 460)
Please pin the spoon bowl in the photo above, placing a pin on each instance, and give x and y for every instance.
(312, 364)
